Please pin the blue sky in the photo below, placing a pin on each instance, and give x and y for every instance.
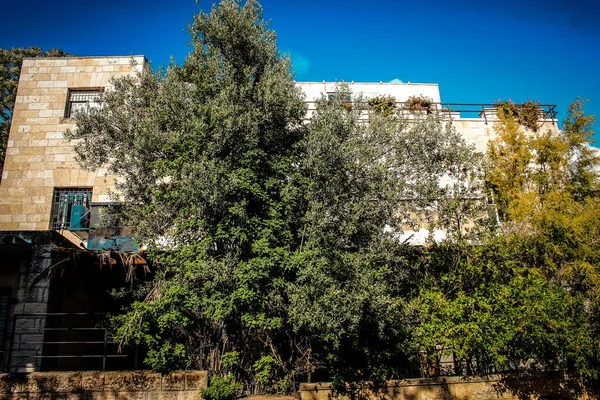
(477, 51)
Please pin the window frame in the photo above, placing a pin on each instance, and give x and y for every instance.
(69, 113)
(63, 201)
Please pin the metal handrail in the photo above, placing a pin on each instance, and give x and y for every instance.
(87, 352)
(548, 111)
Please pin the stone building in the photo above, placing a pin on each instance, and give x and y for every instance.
(45, 212)
(49, 211)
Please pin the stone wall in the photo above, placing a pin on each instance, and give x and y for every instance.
(513, 387)
(137, 385)
(29, 296)
(38, 157)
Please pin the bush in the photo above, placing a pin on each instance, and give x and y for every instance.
(222, 388)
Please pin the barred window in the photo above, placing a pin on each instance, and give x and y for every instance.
(82, 101)
(71, 209)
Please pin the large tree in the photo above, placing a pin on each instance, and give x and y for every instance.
(10, 71)
(275, 240)
(209, 155)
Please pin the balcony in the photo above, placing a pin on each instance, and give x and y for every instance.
(71, 209)
(451, 111)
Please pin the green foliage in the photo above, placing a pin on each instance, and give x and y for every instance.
(275, 242)
(527, 114)
(383, 105)
(524, 171)
(547, 186)
(10, 70)
(492, 309)
(222, 388)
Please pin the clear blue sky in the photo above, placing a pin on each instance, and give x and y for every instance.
(477, 51)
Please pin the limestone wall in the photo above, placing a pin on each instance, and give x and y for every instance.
(38, 158)
(533, 386)
(138, 385)
(479, 131)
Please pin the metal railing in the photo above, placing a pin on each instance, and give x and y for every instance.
(484, 111)
(63, 341)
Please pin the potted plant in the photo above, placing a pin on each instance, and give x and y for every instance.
(419, 103)
(382, 105)
(527, 114)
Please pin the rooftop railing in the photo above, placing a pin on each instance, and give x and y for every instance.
(452, 111)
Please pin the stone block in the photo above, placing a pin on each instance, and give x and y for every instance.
(47, 396)
(78, 396)
(172, 395)
(189, 395)
(105, 395)
(19, 218)
(174, 381)
(196, 380)
(145, 381)
(35, 308)
(68, 382)
(44, 84)
(42, 382)
(53, 135)
(16, 396)
(118, 381)
(92, 381)
(135, 395)
(156, 395)
(6, 385)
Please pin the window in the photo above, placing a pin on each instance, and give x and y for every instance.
(331, 96)
(82, 101)
(71, 209)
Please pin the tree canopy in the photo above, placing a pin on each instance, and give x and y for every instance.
(275, 239)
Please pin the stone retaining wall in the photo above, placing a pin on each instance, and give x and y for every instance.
(135, 385)
(513, 387)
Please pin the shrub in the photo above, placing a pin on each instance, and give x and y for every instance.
(222, 388)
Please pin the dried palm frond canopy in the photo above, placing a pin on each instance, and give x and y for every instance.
(134, 263)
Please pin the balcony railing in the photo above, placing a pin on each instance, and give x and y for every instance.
(71, 209)
(64, 342)
(451, 111)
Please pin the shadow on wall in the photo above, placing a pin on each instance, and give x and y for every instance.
(546, 385)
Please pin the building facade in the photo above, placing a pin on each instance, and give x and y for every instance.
(49, 205)
(45, 204)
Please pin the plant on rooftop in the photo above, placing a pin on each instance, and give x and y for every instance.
(526, 114)
(529, 114)
(383, 105)
(419, 103)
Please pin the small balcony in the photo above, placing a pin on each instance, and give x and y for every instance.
(71, 209)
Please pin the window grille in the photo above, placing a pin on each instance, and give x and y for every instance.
(71, 209)
(82, 101)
